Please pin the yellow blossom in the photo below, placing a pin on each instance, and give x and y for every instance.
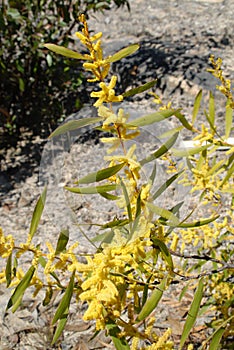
(190, 347)
(107, 93)
(117, 125)
(130, 159)
(37, 283)
(104, 275)
(7, 244)
(225, 87)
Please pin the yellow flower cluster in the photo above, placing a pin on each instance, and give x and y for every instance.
(7, 244)
(17, 278)
(107, 93)
(29, 247)
(104, 278)
(160, 343)
(225, 88)
(208, 179)
(98, 66)
(157, 99)
(204, 136)
(206, 235)
(61, 261)
(117, 124)
(222, 291)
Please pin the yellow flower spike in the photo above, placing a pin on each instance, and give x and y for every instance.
(113, 82)
(109, 293)
(94, 311)
(82, 38)
(145, 192)
(7, 244)
(3, 276)
(107, 93)
(149, 327)
(37, 283)
(174, 242)
(97, 47)
(90, 66)
(96, 36)
(135, 342)
(108, 115)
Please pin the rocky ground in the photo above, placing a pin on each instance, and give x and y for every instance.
(176, 38)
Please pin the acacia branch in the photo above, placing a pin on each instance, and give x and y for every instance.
(207, 273)
(198, 257)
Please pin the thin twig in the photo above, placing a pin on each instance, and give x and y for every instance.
(203, 274)
(198, 257)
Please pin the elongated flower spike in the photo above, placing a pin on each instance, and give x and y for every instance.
(97, 64)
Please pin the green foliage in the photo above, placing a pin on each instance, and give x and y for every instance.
(123, 283)
(192, 314)
(36, 86)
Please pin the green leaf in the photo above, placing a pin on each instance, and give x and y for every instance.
(15, 265)
(92, 190)
(152, 301)
(184, 290)
(74, 124)
(230, 173)
(37, 213)
(166, 185)
(212, 111)
(153, 118)
(183, 120)
(127, 201)
(146, 291)
(115, 222)
(196, 106)
(170, 132)
(60, 327)
(198, 223)
(228, 120)
(64, 51)
(175, 210)
(164, 250)
(105, 237)
(137, 215)
(192, 314)
(140, 89)
(214, 344)
(120, 343)
(21, 85)
(164, 213)
(65, 301)
(217, 335)
(153, 174)
(48, 296)
(127, 51)
(8, 270)
(109, 196)
(185, 152)
(101, 174)
(17, 296)
(162, 150)
(62, 241)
